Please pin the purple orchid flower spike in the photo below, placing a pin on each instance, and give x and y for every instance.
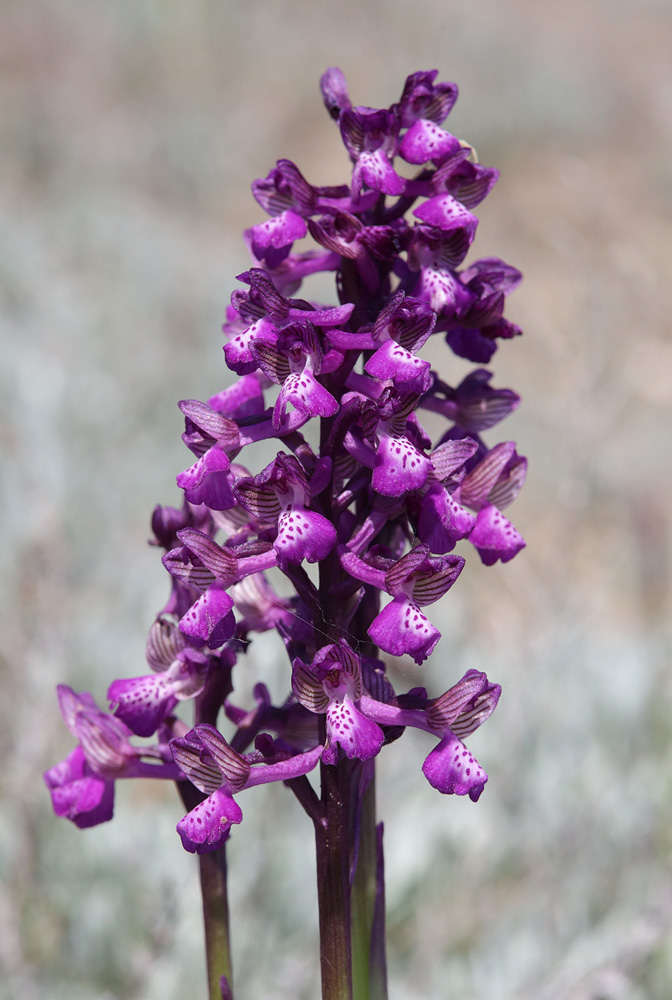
(359, 502)
(332, 684)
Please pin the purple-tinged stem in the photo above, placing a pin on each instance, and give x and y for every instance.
(213, 868)
(213, 878)
(368, 899)
(333, 883)
(216, 921)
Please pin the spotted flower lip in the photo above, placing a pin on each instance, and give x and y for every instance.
(332, 684)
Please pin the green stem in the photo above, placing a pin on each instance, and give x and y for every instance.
(368, 957)
(213, 876)
(216, 920)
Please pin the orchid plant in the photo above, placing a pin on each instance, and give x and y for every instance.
(359, 510)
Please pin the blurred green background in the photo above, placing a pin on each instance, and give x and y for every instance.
(130, 132)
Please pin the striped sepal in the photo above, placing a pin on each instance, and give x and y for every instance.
(336, 243)
(104, 742)
(443, 711)
(386, 314)
(398, 574)
(196, 576)
(478, 483)
(258, 500)
(451, 456)
(164, 642)
(471, 192)
(482, 412)
(232, 520)
(412, 331)
(350, 665)
(453, 248)
(429, 587)
(235, 768)
(204, 774)
(273, 363)
(210, 422)
(376, 682)
(221, 562)
(482, 708)
(506, 490)
(307, 689)
(275, 304)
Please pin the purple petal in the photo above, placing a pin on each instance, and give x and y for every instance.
(452, 769)
(334, 91)
(237, 353)
(306, 394)
(242, 399)
(446, 213)
(348, 729)
(442, 521)
(207, 826)
(494, 537)
(399, 467)
(425, 141)
(207, 481)
(142, 703)
(304, 534)
(277, 233)
(79, 794)
(375, 170)
(470, 344)
(402, 628)
(408, 372)
(445, 294)
(210, 620)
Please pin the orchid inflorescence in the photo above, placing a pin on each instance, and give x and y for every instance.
(367, 497)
